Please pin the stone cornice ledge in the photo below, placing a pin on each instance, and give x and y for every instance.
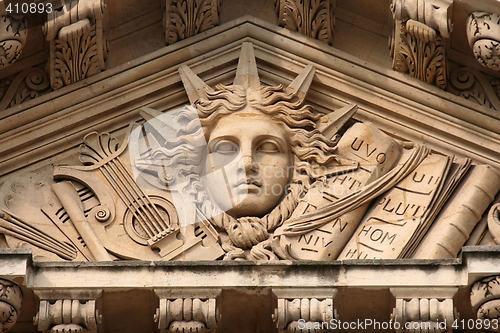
(108, 101)
(476, 262)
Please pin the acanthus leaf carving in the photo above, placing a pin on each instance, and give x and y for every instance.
(475, 86)
(483, 33)
(14, 30)
(313, 18)
(11, 299)
(485, 299)
(77, 44)
(25, 86)
(420, 52)
(183, 18)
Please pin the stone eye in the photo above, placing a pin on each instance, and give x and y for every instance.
(225, 147)
(269, 147)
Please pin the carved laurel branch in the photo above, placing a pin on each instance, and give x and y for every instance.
(77, 58)
(312, 18)
(187, 18)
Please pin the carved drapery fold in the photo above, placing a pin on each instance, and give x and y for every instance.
(186, 18)
(483, 33)
(68, 311)
(418, 44)
(11, 298)
(187, 310)
(14, 30)
(77, 44)
(423, 310)
(303, 310)
(313, 18)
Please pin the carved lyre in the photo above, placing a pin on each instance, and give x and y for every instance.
(125, 219)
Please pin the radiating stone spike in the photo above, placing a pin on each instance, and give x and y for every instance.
(246, 73)
(330, 124)
(300, 85)
(194, 86)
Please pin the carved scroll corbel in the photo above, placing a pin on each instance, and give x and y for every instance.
(424, 310)
(14, 30)
(186, 18)
(187, 310)
(418, 44)
(303, 310)
(77, 44)
(11, 298)
(72, 311)
(311, 18)
(483, 34)
(485, 299)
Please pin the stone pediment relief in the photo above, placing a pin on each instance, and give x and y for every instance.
(249, 170)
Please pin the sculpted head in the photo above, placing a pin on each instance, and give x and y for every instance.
(259, 140)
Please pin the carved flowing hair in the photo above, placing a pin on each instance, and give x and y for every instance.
(309, 147)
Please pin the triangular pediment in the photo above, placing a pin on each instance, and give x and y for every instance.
(50, 130)
(109, 101)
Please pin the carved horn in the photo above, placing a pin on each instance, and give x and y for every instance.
(194, 86)
(246, 73)
(300, 85)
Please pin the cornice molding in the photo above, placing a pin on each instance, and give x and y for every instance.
(56, 122)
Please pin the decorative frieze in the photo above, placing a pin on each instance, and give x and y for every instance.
(313, 18)
(417, 44)
(11, 299)
(68, 311)
(186, 18)
(423, 310)
(187, 310)
(14, 31)
(483, 33)
(299, 310)
(77, 44)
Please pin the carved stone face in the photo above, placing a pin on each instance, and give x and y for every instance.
(248, 164)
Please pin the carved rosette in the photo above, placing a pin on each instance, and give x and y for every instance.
(186, 18)
(11, 298)
(14, 30)
(313, 18)
(418, 44)
(483, 33)
(77, 49)
(485, 297)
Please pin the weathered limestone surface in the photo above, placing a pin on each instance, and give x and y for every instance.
(281, 168)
